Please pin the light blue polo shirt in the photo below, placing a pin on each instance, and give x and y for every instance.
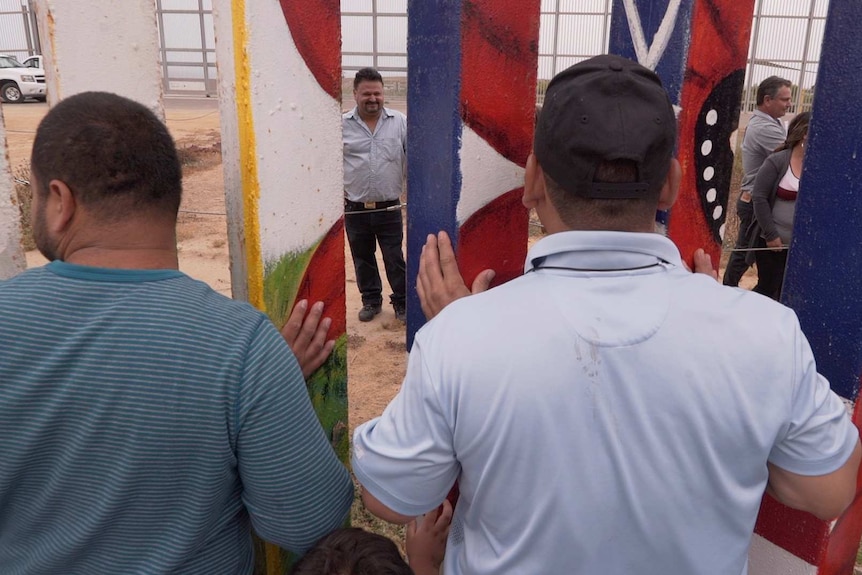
(607, 412)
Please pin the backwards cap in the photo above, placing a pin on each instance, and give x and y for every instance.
(605, 108)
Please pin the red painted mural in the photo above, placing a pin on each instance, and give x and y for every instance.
(324, 278)
(495, 233)
(498, 73)
(843, 543)
(710, 99)
(498, 94)
(315, 24)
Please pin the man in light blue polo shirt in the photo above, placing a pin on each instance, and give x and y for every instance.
(608, 411)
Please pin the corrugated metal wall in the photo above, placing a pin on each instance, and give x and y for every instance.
(18, 35)
(785, 41)
(374, 33)
(187, 49)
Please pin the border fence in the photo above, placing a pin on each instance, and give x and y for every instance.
(18, 36)
(785, 41)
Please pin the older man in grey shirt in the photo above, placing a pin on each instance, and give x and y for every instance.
(764, 133)
(375, 156)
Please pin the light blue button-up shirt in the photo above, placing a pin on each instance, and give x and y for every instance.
(374, 163)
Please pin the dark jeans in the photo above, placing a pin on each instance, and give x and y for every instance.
(736, 266)
(770, 271)
(365, 229)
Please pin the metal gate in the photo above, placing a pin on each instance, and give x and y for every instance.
(18, 35)
(187, 47)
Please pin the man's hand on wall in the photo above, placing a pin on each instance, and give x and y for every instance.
(306, 336)
(440, 282)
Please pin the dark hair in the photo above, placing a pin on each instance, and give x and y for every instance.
(352, 551)
(115, 155)
(367, 75)
(796, 131)
(770, 87)
(620, 213)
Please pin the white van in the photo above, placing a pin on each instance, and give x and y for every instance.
(18, 81)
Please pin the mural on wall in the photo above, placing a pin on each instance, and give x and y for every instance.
(822, 284)
(70, 30)
(699, 49)
(480, 54)
(12, 260)
(282, 108)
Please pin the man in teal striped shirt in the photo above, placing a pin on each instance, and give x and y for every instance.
(147, 422)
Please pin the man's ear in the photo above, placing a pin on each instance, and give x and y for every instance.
(61, 206)
(534, 183)
(670, 189)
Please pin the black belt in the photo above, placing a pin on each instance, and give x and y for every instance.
(370, 205)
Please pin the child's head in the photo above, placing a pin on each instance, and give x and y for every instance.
(352, 551)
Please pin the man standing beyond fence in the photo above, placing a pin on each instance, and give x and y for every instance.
(764, 133)
(608, 411)
(148, 422)
(375, 157)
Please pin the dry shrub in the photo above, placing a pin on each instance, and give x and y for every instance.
(24, 194)
(195, 156)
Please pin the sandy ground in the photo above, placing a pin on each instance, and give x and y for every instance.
(377, 353)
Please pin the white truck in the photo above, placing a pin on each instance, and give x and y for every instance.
(18, 81)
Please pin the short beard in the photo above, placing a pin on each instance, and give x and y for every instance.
(44, 244)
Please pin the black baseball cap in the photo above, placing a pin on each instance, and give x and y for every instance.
(605, 108)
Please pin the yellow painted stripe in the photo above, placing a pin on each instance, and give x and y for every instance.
(273, 560)
(248, 157)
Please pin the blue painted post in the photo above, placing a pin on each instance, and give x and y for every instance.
(654, 33)
(471, 103)
(823, 283)
(433, 139)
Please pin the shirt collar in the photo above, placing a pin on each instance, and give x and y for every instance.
(765, 116)
(602, 251)
(354, 113)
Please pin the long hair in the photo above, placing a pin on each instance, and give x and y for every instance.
(796, 131)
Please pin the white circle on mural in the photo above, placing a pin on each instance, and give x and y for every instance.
(711, 194)
(706, 147)
(708, 173)
(721, 232)
(711, 117)
(716, 213)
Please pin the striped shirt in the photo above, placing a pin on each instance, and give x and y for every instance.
(147, 424)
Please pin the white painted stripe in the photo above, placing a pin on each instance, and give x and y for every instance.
(297, 129)
(485, 174)
(767, 558)
(11, 255)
